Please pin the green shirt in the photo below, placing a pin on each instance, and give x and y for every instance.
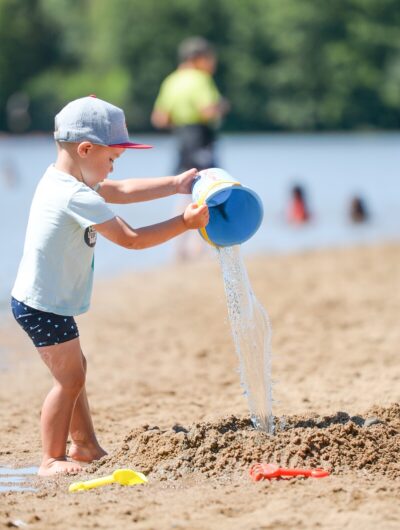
(184, 93)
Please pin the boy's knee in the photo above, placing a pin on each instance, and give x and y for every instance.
(74, 385)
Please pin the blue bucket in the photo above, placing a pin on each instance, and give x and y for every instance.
(236, 212)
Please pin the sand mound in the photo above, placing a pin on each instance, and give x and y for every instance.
(338, 443)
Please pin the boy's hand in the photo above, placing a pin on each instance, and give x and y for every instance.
(184, 181)
(196, 216)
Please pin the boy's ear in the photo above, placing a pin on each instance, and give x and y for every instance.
(84, 149)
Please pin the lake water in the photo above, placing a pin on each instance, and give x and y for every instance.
(332, 167)
(18, 479)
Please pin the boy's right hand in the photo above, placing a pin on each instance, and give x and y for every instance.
(196, 216)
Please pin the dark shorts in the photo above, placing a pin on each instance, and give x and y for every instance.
(196, 147)
(44, 329)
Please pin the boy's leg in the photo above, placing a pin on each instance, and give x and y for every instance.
(84, 446)
(65, 364)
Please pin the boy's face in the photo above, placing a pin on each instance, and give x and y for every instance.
(96, 161)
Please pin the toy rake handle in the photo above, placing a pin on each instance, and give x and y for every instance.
(316, 473)
(94, 483)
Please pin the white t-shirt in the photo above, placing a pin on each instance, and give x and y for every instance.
(56, 270)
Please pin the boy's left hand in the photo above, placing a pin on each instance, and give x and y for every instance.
(184, 181)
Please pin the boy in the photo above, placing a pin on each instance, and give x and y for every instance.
(55, 275)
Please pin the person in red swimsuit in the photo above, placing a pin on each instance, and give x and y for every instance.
(298, 212)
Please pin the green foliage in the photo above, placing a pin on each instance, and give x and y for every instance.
(111, 84)
(28, 44)
(283, 64)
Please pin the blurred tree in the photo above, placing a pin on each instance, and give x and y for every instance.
(330, 63)
(287, 65)
(89, 59)
(28, 44)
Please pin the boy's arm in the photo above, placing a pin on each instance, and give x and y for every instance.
(139, 190)
(118, 231)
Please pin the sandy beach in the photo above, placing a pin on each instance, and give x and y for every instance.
(166, 400)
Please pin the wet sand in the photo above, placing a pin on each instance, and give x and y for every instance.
(166, 400)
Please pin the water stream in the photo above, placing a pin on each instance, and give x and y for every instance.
(251, 331)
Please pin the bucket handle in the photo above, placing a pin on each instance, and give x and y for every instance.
(202, 199)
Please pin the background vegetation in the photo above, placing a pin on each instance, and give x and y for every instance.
(283, 64)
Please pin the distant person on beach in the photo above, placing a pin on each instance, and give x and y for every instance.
(9, 174)
(190, 104)
(54, 279)
(298, 212)
(358, 210)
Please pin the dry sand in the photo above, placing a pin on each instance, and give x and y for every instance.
(166, 400)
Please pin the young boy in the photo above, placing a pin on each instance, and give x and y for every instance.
(54, 280)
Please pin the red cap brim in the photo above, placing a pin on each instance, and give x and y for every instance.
(131, 145)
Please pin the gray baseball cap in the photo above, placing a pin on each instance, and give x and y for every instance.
(94, 120)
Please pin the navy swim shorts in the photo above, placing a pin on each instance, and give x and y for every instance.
(45, 329)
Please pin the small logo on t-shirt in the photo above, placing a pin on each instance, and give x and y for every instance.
(90, 236)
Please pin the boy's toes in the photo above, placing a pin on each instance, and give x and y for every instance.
(74, 470)
(54, 467)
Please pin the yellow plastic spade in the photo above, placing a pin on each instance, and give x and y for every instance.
(125, 477)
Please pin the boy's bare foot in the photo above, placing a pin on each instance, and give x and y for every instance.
(85, 453)
(54, 466)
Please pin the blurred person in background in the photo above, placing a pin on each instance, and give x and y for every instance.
(358, 210)
(298, 212)
(9, 173)
(190, 104)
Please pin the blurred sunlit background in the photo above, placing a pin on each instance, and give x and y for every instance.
(314, 89)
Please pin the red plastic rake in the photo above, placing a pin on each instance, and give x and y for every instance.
(268, 471)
